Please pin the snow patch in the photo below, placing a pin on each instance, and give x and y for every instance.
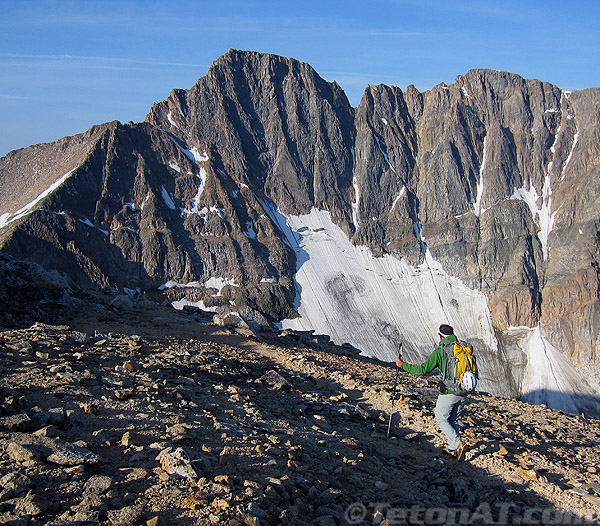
(550, 377)
(193, 154)
(174, 284)
(144, 201)
(356, 192)
(87, 222)
(348, 293)
(199, 157)
(219, 211)
(575, 141)
(219, 284)
(7, 218)
(384, 121)
(465, 92)
(181, 303)
(201, 175)
(542, 215)
(173, 165)
(477, 209)
(546, 216)
(385, 155)
(372, 302)
(170, 119)
(398, 197)
(250, 232)
(167, 198)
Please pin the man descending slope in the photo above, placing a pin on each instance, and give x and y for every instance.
(457, 369)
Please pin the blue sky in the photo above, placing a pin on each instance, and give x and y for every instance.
(66, 65)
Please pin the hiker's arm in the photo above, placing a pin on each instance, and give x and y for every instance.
(426, 367)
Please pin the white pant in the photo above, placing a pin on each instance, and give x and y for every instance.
(447, 410)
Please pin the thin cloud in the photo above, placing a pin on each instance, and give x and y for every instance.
(5, 96)
(117, 60)
(485, 9)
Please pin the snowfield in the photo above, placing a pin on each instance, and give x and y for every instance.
(549, 376)
(374, 302)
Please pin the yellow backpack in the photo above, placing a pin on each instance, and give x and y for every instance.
(460, 360)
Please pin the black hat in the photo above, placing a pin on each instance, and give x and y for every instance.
(445, 330)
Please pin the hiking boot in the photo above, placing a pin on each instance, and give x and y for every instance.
(460, 451)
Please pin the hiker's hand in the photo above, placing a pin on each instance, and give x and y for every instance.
(399, 363)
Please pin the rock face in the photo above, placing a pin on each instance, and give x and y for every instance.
(495, 177)
(488, 167)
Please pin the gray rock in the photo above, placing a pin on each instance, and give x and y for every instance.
(13, 485)
(79, 337)
(65, 454)
(256, 511)
(126, 516)
(275, 380)
(123, 302)
(21, 454)
(18, 422)
(9, 519)
(48, 431)
(98, 484)
(177, 463)
(32, 504)
(330, 495)
(55, 417)
(290, 519)
(85, 516)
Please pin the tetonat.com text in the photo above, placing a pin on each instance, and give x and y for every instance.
(489, 514)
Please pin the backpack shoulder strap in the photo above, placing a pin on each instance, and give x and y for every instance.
(448, 348)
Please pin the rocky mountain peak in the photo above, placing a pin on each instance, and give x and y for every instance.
(277, 127)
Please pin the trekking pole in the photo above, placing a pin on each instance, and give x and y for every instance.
(394, 392)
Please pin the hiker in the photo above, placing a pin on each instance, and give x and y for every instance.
(449, 405)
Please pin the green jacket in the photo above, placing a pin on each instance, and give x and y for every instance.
(438, 359)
